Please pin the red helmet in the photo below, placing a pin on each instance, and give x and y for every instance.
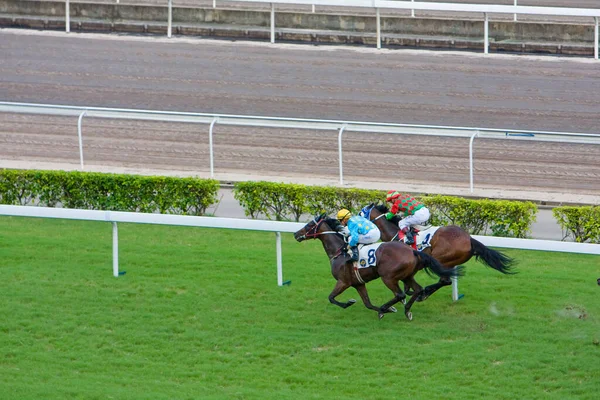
(392, 195)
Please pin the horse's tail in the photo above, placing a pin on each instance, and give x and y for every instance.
(430, 264)
(492, 258)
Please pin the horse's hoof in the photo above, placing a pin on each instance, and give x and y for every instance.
(403, 301)
(392, 309)
(351, 301)
(381, 314)
(409, 316)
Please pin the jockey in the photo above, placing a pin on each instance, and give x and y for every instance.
(358, 229)
(413, 211)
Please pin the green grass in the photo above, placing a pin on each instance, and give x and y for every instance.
(199, 316)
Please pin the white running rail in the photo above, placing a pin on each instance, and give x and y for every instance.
(485, 9)
(294, 123)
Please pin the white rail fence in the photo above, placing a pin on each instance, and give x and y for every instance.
(295, 123)
(115, 217)
(485, 9)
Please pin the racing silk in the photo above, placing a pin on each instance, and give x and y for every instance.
(358, 225)
(407, 205)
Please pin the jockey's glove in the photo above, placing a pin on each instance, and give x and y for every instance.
(389, 215)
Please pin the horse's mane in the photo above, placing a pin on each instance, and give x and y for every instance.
(333, 223)
(382, 208)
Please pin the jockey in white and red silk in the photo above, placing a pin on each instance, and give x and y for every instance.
(412, 212)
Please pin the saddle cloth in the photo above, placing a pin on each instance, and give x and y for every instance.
(424, 236)
(366, 255)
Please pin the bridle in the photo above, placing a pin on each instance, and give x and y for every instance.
(313, 233)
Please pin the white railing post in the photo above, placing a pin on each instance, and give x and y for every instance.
(412, 12)
(313, 8)
(340, 154)
(272, 22)
(67, 17)
(279, 263)
(80, 136)
(115, 237)
(596, 38)
(486, 33)
(471, 158)
(214, 3)
(378, 28)
(210, 147)
(515, 16)
(170, 22)
(280, 281)
(454, 288)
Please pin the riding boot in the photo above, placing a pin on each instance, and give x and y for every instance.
(410, 239)
(354, 253)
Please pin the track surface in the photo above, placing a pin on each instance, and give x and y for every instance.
(438, 88)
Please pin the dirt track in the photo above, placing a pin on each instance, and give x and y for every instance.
(298, 81)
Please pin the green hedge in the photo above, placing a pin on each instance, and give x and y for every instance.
(483, 217)
(279, 201)
(582, 224)
(290, 202)
(114, 192)
(284, 202)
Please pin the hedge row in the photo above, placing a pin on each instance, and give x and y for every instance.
(191, 196)
(291, 202)
(582, 224)
(114, 192)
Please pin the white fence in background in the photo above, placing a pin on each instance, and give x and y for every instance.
(115, 217)
(294, 123)
(485, 9)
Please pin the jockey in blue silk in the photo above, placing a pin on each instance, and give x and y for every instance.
(358, 229)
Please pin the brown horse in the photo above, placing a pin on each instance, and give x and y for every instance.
(450, 245)
(394, 262)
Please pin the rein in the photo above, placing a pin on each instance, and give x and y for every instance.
(313, 234)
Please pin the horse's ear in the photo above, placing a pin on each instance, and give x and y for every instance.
(320, 216)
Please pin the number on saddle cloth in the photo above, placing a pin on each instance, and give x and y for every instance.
(366, 255)
(423, 237)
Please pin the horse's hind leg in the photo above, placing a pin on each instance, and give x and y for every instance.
(340, 286)
(431, 289)
(412, 288)
(364, 295)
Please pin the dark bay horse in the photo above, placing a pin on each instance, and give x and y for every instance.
(395, 262)
(451, 245)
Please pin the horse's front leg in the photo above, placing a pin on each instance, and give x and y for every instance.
(364, 295)
(399, 296)
(340, 286)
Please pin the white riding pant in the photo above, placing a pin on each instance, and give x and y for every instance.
(418, 218)
(370, 237)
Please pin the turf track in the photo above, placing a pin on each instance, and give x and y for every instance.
(199, 316)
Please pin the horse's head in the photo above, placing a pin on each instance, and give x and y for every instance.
(310, 230)
(314, 228)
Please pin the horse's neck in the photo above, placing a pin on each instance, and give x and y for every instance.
(385, 226)
(331, 244)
